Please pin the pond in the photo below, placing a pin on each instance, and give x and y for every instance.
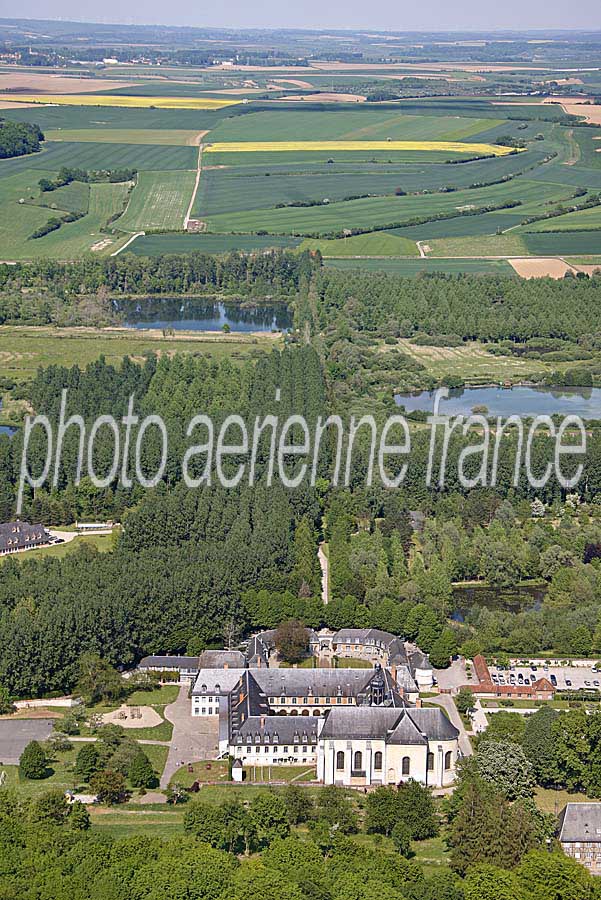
(198, 315)
(523, 401)
(470, 598)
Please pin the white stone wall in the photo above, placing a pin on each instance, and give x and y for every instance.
(392, 770)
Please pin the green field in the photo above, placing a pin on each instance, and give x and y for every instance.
(412, 267)
(24, 349)
(366, 123)
(156, 244)
(73, 197)
(159, 200)
(379, 243)
(470, 361)
(76, 238)
(174, 137)
(89, 155)
(480, 245)
(373, 211)
(570, 243)
(581, 220)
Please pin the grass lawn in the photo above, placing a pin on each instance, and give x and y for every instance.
(218, 772)
(125, 821)
(470, 361)
(102, 542)
(347, 662)
(24, 349)
(479, 245)
(62, 775)
(161, 696)
(551, 801)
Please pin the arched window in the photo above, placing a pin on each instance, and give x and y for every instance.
(340, 760)
(358, 760)
(378, 761)
(217, 688)
(430, 762)
(406, 765)
(203, 687)
(448, 759)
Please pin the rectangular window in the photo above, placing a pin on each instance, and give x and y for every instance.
(304, 749)
(285, 750)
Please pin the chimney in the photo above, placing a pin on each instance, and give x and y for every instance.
(418, 703)
(393, 672)
(262, 721)
(225, 665)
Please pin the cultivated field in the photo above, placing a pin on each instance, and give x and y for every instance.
(365, 145)
(120, 100)
(159, 200)
(380, 243)
(173, 136)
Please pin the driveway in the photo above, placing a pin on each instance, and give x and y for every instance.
(15, 734)
(453, 677)
(446, 701)
(194, 737)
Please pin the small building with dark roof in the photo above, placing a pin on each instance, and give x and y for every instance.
(580, 834)
(185, 666)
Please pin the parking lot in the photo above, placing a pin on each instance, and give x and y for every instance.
(15, 734)
(564, 678)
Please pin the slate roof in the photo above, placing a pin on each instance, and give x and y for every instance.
(21, 535)
(174, 662)
(407, 726)
(278, 730)
(216, 681)
(218, 659)
(580, 822)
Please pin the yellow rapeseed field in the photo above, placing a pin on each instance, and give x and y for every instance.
(278, 146)
(121, 100)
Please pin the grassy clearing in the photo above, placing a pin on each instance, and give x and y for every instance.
(133, 819)
(470, 361)
(333, 146)
(379, 243)
(23, 349)
(161, 696)
(61, 775)
(172, 137)
(550, 801)
(121, 101)
(74, 197)
(159, 200)
(20, 219)
(102, 542)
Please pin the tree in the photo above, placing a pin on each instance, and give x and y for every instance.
(401, 838)
(554, 875)
(109, 787)
(464, 701)
(270, 818)
(6, 704)
(538, 743)
(383, 811)
(51, 807)
(417, 810)
(33, 763)
(291, 640)
(443, 648)
(298, 804)
(141, 774)
(79, 817)
(506, 766)
(59, 742)
(487, 882)
(98, 680)
(335, 808)
(505, 727)
(87, 762)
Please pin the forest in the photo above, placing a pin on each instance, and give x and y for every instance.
(18, 138)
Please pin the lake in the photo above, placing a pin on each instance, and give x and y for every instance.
(470, 598)
(195, 315)
(523, 401)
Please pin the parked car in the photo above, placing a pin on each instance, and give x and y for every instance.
(587, 683)
(568, 682)
(553, 680)
(596, 683)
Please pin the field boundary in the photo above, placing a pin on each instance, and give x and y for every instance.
(196, 184)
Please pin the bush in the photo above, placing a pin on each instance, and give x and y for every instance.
(33, 763)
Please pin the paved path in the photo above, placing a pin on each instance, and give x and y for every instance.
(325, 575)
(479, 720)
(446, 701)
(194, 738)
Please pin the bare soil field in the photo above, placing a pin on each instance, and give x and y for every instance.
(540, 267)
(56, 84)
(579, 106)
(296, 82)
(6, 104)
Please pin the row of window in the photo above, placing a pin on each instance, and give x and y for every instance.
(405, 763)
(276, 749)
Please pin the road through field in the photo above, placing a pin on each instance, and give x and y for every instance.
(196, 183)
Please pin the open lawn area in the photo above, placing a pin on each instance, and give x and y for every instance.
(131, 819)
(24, 349)
(102, 542)
(61, 776)
(470, 361)
(550, 801)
